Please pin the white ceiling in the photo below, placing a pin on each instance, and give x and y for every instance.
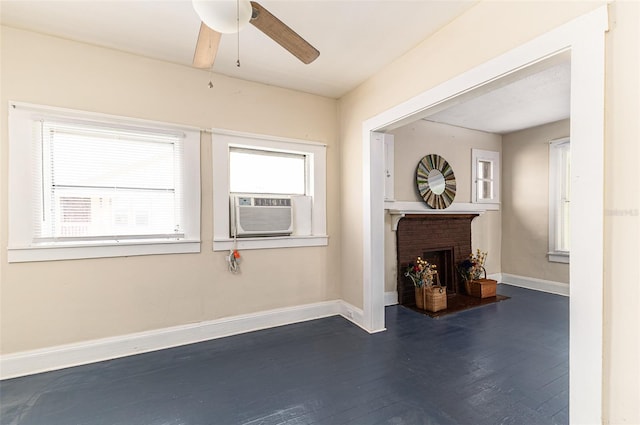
(535, 99)
(356, 38)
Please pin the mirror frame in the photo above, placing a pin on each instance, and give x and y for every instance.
(435, 162)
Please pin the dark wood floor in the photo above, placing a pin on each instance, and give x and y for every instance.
(503, 363)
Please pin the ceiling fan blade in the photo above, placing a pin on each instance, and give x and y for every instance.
(206, 47)
(282, 34)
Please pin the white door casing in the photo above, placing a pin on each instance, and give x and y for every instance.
(584, 38)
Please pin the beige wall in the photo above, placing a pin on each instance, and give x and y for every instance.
(415, 140)
(51, 303)
(474, 38)
(525, 203)
(411, 143)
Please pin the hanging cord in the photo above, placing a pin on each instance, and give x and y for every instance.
(233, 259)
(238, 30)
(210, 85)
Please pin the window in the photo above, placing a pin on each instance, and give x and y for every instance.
(264, 171)
(86, 185)
(485, 186)
(253, 164)
(559, 200)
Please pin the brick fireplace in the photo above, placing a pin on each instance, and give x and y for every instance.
(441, 239)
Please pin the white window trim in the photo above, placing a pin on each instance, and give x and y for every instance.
(221, 141)
(21, 246)
(494, 158)
(554, 255)
(559, 257)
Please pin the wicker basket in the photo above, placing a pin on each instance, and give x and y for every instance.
(435, 298)
(431, 298)
(482, 288)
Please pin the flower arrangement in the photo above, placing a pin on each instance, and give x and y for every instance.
(421, 273)
(473, 267)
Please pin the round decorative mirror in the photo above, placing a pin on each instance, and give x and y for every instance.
(436, 181)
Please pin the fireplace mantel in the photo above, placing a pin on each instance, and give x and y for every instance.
(399, 209)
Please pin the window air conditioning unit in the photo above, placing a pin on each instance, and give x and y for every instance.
(261, 215)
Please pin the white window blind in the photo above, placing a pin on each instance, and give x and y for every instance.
(99, 183)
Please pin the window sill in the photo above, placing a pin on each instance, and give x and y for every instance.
(559, 257)
(100, 250)
(225, 244)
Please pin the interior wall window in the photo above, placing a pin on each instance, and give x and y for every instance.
(559, 200)
(485, 176)
(292, 175)
(95, 182)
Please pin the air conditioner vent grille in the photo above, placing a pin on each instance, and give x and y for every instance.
(261, 216)
(271, 219)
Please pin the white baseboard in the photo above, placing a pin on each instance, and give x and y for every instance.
(550, 286)
(63, 356)
(390, 298)
(495, 276)
(352, 313)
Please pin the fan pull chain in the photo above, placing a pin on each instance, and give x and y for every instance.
(210, 85)
(238, 30)
(238, 61)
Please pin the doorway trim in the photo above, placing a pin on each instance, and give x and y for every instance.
(584, 38)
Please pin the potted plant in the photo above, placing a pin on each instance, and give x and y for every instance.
(474, 274)
(429, 294)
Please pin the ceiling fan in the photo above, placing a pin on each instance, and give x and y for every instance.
(229, 16)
